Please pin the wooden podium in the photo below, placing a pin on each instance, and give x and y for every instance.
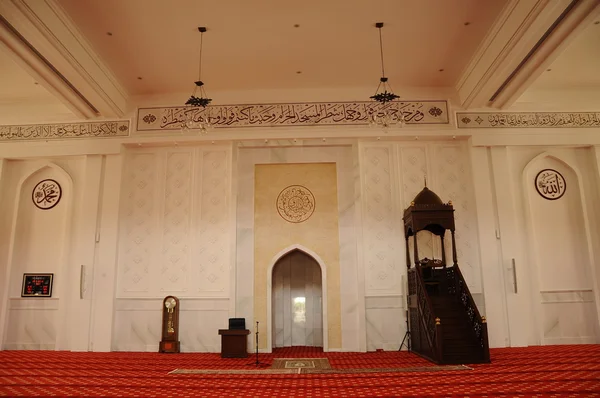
(234, 343)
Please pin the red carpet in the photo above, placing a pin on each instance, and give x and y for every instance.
(551, 371)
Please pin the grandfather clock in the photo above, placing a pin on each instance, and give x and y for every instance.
(170, 325)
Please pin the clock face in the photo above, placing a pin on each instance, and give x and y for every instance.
(170, 303)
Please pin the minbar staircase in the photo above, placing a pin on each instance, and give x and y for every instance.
(445, 324)
(459, 344)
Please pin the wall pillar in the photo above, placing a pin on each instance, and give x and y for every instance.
(489, 253)
(80, 269)
(105, 259)
(596, 231)
(521, 316)
(5, 203)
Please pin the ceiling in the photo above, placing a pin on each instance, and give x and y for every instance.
(23, 100)
(254, 45)
(312, 50)
(578, 66)
(571, 81)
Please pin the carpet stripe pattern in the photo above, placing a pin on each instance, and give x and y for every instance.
(550, 371)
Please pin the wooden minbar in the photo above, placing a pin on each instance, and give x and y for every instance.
(234, 343)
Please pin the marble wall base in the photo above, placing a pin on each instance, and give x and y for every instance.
(386, 322)
(138, 324)
(32, 324)
(569, 317)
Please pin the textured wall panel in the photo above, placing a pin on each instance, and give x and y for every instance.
(174, 267)
(175, 223)
(452, 177)
(213, 224)
(380, 247)
(139, 223)
(413, 171)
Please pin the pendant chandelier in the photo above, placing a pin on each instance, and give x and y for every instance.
(386, 113)
(194, 119)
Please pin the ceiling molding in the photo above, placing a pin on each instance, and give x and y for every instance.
(578, 18)
(516, 31)
(44, 28)
(28, 59)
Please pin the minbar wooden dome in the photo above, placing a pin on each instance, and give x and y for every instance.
(428, 212)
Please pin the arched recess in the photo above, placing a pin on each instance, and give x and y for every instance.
(563, 281)
(272, 264)
(40, 322)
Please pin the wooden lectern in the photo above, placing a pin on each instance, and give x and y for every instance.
(234, 343)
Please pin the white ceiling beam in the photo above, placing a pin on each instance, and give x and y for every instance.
(29, 60)
(515, 33)
(579, 17)
(48, 43)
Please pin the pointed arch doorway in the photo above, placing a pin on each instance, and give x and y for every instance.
(297, 301)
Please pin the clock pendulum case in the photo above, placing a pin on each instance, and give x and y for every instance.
(170, 325)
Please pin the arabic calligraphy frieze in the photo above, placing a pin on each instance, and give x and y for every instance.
(292, 114)
(550, 184)
(46, 194)
(65, 130)
(528, 119)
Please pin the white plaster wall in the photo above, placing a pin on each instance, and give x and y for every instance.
(138, 324)
(528, 313)
(174, 239)
(62, 242)
(392, 174)
(352, 305)
(498, 221)
(38, 246)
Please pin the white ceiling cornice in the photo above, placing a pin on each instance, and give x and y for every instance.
(11, 43)
(62, 60)
(515, 33)
(577, 20)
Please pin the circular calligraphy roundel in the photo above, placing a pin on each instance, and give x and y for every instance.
(46, 194)
(550, 184)
(295, 203)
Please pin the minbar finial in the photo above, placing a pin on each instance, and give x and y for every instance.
(425, 180)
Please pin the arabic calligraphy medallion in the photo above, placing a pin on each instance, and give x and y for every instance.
(550, 184)
(295, 204)
(46, 194)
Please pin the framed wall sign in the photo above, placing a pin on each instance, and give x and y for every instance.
(37, 285)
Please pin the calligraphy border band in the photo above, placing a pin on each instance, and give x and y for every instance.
(291, 114)
(478, 120)
(103, 129)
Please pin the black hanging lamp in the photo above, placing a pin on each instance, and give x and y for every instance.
(198, 99)
(386, 113)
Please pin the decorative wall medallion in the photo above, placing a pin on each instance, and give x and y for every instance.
(295, 203)
(46, 194)
(292, 114)
(550, 184)
(435, 111)
(150, 118)
(528, 119)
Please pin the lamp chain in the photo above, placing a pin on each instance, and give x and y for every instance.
(200, 60)
(381, 52)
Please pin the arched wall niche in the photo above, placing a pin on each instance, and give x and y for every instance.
(38, 243)
(560, 257)
(272, 264)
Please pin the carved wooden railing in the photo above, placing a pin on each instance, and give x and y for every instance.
(458, 288)
(423, 320)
